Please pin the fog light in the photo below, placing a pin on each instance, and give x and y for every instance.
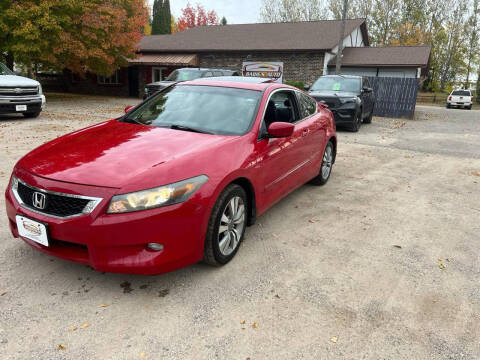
(155, 246)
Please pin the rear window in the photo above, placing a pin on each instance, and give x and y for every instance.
(461, 92)
(184, 75)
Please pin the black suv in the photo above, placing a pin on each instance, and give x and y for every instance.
(186, 74)
(350, 98)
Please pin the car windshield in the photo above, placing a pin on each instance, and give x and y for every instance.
(336, 83)
(5, 70)
(461, 92)
(207, 109)
(184, 75)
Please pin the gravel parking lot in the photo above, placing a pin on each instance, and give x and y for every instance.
(381, 263)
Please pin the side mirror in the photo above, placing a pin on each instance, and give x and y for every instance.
(128, 108)
(306, 87)
(322, 105)
(280, 129)
(367, 90)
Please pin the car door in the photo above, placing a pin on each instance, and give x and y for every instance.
(316, 123)
(282, 161)
(367, 97)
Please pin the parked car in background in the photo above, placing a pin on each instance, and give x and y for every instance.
(460, 98)
(350, 98)
(175, 180)
(186, 74)
(20, 95)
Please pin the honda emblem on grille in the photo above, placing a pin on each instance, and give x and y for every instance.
(39, 200)
(18, 90)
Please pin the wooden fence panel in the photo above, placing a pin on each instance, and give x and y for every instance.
(394, 97)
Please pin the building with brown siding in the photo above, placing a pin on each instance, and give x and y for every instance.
(307, 50)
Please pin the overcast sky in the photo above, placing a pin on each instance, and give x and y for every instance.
(236, 11)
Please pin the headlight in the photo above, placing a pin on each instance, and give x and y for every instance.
(348, 100)
(161, 196)
(14, 183)
(146, 90)
(40, 90)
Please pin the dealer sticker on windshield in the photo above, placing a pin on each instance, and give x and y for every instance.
(32, 230)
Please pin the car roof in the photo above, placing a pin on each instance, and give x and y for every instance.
(205, 69)
(344, 76)
(245, 79)
(239, 82)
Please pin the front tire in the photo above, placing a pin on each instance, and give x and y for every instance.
(357, 121)
(226, 226)
(326, 168)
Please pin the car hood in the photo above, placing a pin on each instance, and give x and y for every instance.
(161, 84)
(14, 80)
(331, 93)
(116, 154)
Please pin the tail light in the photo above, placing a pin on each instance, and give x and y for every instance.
(449, 98)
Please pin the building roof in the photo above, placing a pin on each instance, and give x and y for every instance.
(307, 35)
(388, 56)
(166, 59)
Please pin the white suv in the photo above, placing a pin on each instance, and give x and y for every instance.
(19, 94)
(460, 98)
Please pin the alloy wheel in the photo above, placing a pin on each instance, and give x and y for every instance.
(327, 162)
(231, 226)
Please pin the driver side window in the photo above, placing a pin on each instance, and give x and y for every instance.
(281, 107)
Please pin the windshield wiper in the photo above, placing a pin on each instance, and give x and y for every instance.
(132, 121)
(188, 128)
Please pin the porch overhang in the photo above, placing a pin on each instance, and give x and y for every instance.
(165, 59)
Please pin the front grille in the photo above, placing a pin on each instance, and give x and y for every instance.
(56, 205)
(18, 90)
(332, 102)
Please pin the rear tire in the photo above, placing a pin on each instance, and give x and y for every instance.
(368, 119)
(448, 106)
(226, 226)
(31, 114)
(326, 167)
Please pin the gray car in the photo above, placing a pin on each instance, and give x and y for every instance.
(186, 74)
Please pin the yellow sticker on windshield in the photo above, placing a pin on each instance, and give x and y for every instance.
(336, 86)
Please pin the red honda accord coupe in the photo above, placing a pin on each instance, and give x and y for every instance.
(175, 180)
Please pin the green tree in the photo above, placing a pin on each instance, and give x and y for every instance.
(223, 21)
(477, 92)
(472, 39)
(161, 22)
(293, 10)
(88, 35)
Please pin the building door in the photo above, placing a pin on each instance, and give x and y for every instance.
(158, 74)
(133, 81)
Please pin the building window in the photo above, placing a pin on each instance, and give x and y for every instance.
(158, 73)
(115, 78)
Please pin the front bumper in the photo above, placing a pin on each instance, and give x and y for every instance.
(117, 243)
(8, 105)
(344, 114)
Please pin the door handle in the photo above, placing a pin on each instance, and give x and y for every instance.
(305, 132)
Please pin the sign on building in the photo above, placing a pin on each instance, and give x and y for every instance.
(271, 70)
